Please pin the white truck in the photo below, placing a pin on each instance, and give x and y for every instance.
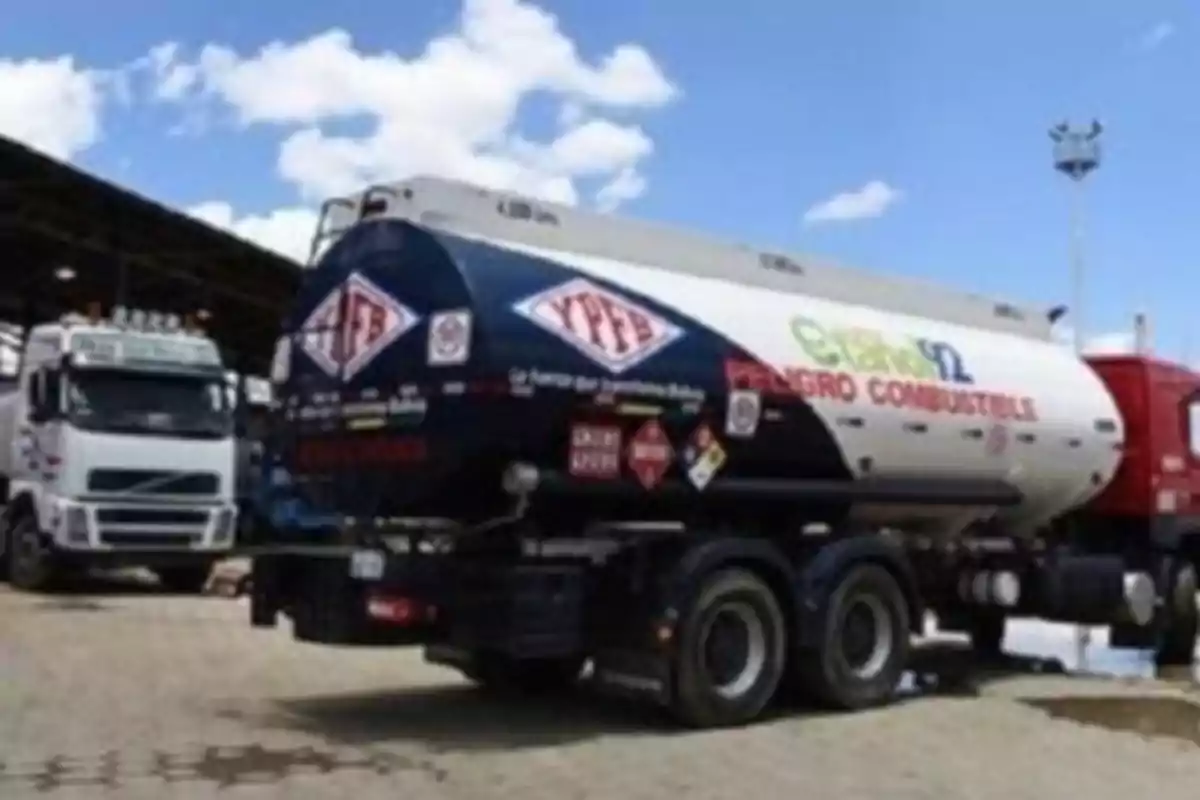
(116, 449)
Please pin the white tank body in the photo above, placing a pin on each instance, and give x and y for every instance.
(1032, 413)
(989, 393)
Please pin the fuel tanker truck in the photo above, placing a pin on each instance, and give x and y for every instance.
(549, 443)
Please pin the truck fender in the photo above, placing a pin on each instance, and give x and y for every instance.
(819, 577)
(683, 579)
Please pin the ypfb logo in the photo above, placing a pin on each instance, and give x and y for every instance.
(865, 350)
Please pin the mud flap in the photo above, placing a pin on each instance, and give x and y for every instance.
(638, 675)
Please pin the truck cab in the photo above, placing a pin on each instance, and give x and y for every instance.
(117, 449)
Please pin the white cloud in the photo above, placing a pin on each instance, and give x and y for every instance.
(868, 202)
(52, 105)
(1154, 37)
(626, 185)
(174, 79)
(287, 231)
(452, 110)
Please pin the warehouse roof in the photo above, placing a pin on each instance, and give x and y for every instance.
(59, 222)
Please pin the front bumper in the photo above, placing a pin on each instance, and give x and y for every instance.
(121, 526)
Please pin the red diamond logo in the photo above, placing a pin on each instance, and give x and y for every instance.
(352, 325)
(609, 329)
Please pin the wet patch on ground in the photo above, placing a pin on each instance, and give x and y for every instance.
(221, 767)
(66, 604)
(1172, 717)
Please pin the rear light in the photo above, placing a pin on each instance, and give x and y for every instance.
(398, 610)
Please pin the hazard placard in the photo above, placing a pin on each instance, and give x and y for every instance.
(595, 451)
(703, 457)
(650, 454)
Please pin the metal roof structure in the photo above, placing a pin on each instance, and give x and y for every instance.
(123, 248)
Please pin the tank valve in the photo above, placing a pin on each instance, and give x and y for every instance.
(1140, 598)
(1000, 588)
(521, 479)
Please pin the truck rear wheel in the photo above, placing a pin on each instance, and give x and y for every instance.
(30, 558)
(865, 645)
(1181, 619)
(731, 651)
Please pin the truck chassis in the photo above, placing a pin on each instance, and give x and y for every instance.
(709, 622)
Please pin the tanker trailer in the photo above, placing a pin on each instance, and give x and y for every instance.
(556, 438)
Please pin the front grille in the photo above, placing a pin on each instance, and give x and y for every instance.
(150, 516)
(138, 539)
(154, 482)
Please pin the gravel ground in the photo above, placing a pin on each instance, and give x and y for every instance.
(138, 695)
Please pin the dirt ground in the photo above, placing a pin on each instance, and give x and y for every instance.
(126, 693)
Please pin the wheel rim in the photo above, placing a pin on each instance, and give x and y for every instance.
(867, 637)
(733, 647)
(28, 552)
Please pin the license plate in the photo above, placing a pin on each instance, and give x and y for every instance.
(366, 565)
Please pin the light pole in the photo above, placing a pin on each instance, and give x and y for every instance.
(1077, 155)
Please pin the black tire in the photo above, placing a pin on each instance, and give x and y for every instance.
(986, 628)
(533, 676)
(184, 580)
(742, 601)
(1181, 620)
(31, 566)
(827, 675)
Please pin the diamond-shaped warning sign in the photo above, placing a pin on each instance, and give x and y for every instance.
(607, 327)
(352, 325)
(650, 454)
(703, 457)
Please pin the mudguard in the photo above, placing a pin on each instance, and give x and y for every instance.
(683, 579)
(819, 577)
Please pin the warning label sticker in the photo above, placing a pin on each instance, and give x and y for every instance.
(650, 454)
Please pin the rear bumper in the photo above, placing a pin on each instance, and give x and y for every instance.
(313, 586)
(523, 609)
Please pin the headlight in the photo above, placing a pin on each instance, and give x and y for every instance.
(223, 526)
(75, 525)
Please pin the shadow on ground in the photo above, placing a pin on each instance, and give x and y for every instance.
(461, 717)
(85, 592)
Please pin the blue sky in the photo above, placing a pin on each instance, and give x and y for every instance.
(777, 107)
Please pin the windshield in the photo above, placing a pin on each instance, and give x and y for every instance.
(149, 403)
